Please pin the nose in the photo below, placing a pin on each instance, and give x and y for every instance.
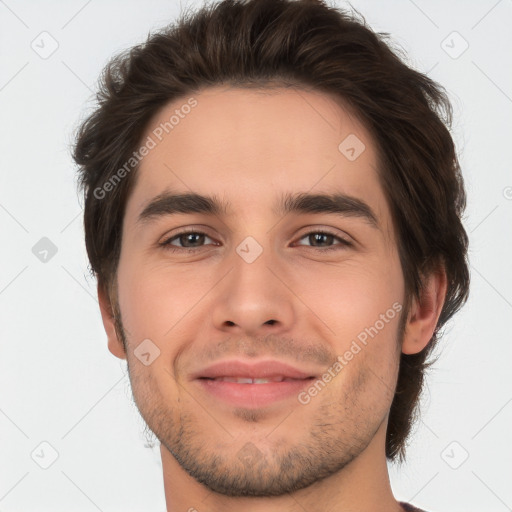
(253, 299)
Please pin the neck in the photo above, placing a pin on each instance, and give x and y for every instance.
(361, 486)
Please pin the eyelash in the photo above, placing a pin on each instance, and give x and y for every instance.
(343, 243)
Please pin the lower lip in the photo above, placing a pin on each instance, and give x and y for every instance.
(253, 396)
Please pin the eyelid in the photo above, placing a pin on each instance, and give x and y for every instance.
(344, 238)
(200, 230)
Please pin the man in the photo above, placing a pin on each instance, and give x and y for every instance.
(272, 210)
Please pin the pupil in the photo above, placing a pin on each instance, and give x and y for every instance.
(193, 238)
(318, 238)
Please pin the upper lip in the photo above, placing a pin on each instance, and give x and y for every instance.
(266, 369)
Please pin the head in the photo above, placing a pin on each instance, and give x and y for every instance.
(256, 116)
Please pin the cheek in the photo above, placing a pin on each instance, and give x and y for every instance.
(154, 298)
(354, 296)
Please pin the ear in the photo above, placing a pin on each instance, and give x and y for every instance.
(424, 312)
(115, 345)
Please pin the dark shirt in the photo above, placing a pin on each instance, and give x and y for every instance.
(410, 508)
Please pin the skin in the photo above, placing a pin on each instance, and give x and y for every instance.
(205, 304)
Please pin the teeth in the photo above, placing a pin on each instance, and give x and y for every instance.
(241, 380)
(246, 380)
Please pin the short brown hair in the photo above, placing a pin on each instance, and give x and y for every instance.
(309, 44)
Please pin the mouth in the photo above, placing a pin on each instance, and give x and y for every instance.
(248, 380)
(252, 385)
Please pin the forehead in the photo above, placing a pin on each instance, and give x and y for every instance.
(249, 145)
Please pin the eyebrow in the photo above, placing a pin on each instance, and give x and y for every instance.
(169, 203)
(340, 204)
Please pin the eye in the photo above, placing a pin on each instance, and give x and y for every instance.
(324, 241)
(319, 240)
(186, 240)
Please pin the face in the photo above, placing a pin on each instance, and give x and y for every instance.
(260, 289)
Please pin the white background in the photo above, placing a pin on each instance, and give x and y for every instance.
(59, 383)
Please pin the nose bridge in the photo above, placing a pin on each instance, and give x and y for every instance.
(251, 273)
